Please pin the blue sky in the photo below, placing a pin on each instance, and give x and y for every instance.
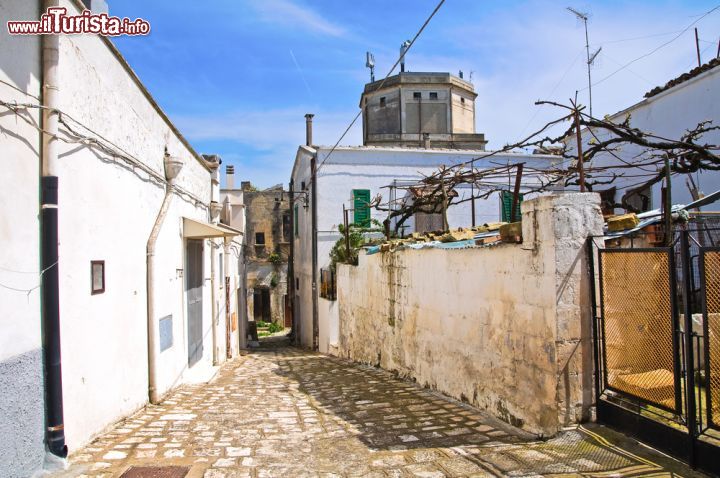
(237, 76)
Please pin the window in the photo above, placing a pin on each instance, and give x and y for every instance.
(417, 95)
(462, 101)
(259, 238)
(361, 205)
(382, 101)
(297, 283)
(433, 95)
(302, 185)
(97, 277)
(295, 219)
(506, 201)
(286, 227)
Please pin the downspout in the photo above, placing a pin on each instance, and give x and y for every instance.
(50, 313)
(216, 359)
(291, 261)
(226, 281)
(313, 172)
(172, 169)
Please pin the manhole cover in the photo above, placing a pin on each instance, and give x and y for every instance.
(156, 472)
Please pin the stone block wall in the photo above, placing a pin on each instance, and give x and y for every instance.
(505, 328)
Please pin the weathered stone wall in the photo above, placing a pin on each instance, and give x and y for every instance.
(504, 328)
(264, 213)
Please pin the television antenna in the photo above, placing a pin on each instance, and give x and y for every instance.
(590, 58)
(370, 63)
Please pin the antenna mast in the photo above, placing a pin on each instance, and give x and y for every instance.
(403, 49)
(590, 59)
(370, 63)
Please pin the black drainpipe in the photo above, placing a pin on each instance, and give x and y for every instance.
(55, 428)
(291, 260)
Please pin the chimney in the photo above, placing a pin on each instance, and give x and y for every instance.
(246, 185)
(229, 176)
(308, 129)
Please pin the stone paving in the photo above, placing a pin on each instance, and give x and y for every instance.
(285, 412)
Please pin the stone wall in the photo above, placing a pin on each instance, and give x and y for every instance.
(505, 328)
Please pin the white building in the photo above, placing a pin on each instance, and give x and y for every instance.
(112, 158)
(366, 170)
(667, 111)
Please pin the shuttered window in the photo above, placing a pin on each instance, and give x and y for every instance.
(361, 200)
(506, 200)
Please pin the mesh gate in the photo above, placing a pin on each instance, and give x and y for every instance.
(638, 324)
(710, 270)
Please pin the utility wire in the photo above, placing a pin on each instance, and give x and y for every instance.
(402, 55)
(656, 49)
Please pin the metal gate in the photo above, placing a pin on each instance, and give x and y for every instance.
(657, 341)
(194, 293)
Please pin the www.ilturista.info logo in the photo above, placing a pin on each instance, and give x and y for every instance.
(56, 21)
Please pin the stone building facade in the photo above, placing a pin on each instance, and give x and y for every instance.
(268, 233)
(413, 109)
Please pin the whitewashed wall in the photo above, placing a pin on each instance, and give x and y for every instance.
(21, 381)
(668, 114)
(374, 169)
(505, 328)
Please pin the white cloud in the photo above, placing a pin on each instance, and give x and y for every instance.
(289, 13)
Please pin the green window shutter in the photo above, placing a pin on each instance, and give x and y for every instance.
(506, 200)
(295, 219)
(361, 200)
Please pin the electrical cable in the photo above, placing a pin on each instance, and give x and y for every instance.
(655, 50)
(402, 56)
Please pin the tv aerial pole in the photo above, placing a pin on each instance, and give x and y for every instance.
(590, 58)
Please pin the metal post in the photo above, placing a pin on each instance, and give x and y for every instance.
(516, 192)
(668, 204)
(697, 47)
(347, 233)
(689, 353)
(472, 202)
(581, 171)
(594, 318)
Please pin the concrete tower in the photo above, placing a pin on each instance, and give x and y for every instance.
(430, 110)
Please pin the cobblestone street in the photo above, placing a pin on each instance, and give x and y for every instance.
(285, 412)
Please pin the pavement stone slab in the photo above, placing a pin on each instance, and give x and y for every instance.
(281, 411)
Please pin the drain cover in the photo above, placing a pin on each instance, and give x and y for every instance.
(156, 472)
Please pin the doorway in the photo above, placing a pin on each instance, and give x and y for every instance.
(261, 305)
(194, 293)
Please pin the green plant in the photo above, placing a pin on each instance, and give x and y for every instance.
(274, 327)
(274, 280)
(357, 239)
(261, 324)
(275, 258)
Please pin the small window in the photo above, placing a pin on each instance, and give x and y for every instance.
(382, 101)
(417, 95)
(302, 185)
(259, 238)
(97, 277)
(462, 101)
(297, 283)
(433, 95)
